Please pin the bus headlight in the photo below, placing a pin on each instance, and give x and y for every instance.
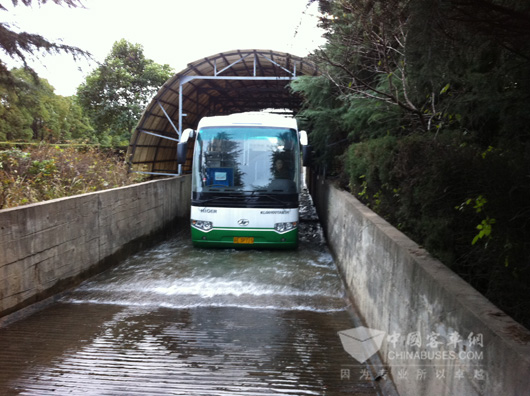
(202, 225)
(284, 227)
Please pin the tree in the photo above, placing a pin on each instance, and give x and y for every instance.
(429, 64)
(15, 120)
(432, 98)
(478, 51)
(115, 94)
(20, 45)
(365, 54)
(31, 111)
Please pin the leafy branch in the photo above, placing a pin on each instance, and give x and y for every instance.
(368, 59)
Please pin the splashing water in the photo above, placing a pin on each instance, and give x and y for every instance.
(176, 275)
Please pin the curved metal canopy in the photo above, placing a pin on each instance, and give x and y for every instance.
(229, 82)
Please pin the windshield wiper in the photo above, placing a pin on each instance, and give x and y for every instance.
(241, 197)
(203, 201)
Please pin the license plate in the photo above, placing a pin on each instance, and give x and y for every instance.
(245, 240)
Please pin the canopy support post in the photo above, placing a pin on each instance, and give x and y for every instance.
(169, 119)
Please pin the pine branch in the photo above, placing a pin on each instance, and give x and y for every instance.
(21, 45)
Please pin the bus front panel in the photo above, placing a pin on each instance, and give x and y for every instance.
(244, 227)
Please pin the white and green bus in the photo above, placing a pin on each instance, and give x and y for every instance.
(246, 178)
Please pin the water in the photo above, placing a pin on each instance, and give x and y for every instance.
(176, 320)
(176, 275)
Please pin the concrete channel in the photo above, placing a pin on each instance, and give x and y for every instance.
(175, 320)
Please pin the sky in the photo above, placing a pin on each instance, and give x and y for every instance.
(174, 32)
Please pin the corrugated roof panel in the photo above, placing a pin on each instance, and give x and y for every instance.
(229, 82)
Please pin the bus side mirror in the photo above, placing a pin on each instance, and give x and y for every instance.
(182, 150)
(182, 147)
(306, 155)
(306, 149)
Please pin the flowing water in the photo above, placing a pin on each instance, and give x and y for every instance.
(175, 275)
(175, 320)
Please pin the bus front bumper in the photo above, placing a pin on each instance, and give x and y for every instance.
(245, 239)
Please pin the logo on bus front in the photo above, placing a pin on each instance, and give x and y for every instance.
(275, 212)
(243, 222)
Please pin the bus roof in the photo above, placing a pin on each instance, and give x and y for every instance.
(249, 119)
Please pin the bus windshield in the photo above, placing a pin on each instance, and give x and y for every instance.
(246, 159)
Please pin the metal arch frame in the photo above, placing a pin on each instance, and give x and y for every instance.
(292, 75)
(187, 79)
(216, 76)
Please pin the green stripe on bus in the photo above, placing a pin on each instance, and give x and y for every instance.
(225, 238)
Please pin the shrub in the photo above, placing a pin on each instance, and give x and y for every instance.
(44, 172)
(468, 205)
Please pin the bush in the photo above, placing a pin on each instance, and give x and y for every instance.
(467, 205)
(44, 172)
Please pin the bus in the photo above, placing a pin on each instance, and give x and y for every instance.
(246, 178)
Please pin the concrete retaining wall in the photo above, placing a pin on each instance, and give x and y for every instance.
(442, 336)
(50, 246)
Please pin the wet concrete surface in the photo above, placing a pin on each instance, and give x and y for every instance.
(175, 320)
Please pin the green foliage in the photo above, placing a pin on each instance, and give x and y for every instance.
(486, 225)
(115, 94)
(484, 228)
(105, 111)
(31, 111)
(334, 121)
(322, 118)
(367, 166)
(423, 185)
(46, 172)
(478, 52)
(427, 102)
(370, 118)
(365, 57)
